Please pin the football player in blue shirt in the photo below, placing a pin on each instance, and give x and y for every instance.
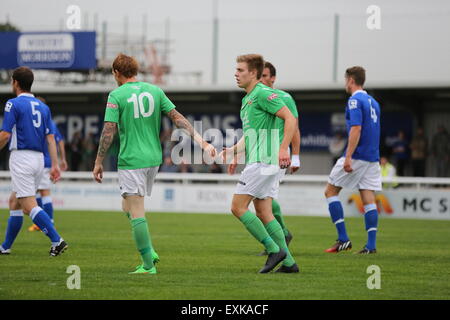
(359, 167)
(43, 197)
(27, 127)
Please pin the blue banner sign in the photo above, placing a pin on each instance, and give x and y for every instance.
(48, 50)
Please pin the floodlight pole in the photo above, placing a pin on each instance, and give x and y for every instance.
(336, 47)
(125, 35)
(215, 53)
(104, 27)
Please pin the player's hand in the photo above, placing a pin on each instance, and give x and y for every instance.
(293, 169)
(63, 165)
(295, 163)
(98, 172)
(284, 159)
(55, 174)
(209, 148)
(348, 165)
(232, 166)
(227, 153)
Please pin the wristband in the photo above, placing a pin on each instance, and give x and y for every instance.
(295, 162)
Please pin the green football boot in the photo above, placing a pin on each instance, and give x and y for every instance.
(141, 270)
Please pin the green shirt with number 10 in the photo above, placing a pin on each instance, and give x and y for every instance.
(136, 107)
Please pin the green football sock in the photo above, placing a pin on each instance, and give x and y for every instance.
(276, 233)
(141, 236)
(276, 209)
(257, 230)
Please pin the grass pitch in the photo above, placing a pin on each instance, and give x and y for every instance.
(210, 256)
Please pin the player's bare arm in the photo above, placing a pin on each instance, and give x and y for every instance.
(62, 155)
(231, 169)
(232, 153)
(106, 139)
(289, 130)
(295, 144)
(353, 140)
(55, 173)
(4, 138)
(182, 123)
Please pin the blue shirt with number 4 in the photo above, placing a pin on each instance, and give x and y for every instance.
(363, 110)
(29, 122)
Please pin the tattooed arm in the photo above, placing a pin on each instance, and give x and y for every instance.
(106, 139)
(182, 123)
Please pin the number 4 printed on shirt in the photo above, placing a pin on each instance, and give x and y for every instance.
(373, 114)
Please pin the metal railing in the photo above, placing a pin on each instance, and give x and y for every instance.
(187, 178)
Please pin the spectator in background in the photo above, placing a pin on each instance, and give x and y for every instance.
(419, 147)
(384, 147)
(388, 171)
(215, 168)
(168, 165)
(440, 148)
(4, 159)
(201, 168)
(184, 167)
(113, 153)
(166, 143)
(401, 153)
(75, 147)
(89, 152)
(337, 146)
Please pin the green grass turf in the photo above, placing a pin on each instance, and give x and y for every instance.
(210, 256)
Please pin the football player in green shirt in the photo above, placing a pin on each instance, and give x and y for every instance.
(134, 110)
(266, 146)
(268, 78)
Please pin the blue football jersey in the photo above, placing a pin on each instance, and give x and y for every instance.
(28, 121)
(58, 138)
(363, 110)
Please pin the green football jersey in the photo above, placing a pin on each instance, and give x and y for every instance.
(136, 107)
(261, 132)
(290, 103)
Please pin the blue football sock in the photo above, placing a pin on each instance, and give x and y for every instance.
(337, 216)
(41, 219)
(371, 220)
(12, 230)
(39, 199)
(48, 207)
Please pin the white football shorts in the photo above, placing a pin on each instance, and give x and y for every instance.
(45, 183)
(27, 168)
(365, 175)
(259, 180)
(137, 181)
(276, 186)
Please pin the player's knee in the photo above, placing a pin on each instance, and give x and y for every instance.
(237, 211)
(234, 210)
(261, 215)
(330, 192)
(13, 203)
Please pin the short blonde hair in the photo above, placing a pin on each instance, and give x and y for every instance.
(254, 62)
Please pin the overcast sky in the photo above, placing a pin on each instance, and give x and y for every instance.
(413, 44)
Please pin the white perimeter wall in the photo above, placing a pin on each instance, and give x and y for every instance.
(295, 199)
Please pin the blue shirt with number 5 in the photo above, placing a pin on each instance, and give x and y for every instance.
(29, 122)
(363, 110)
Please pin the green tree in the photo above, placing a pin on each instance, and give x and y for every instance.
(7, 27)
